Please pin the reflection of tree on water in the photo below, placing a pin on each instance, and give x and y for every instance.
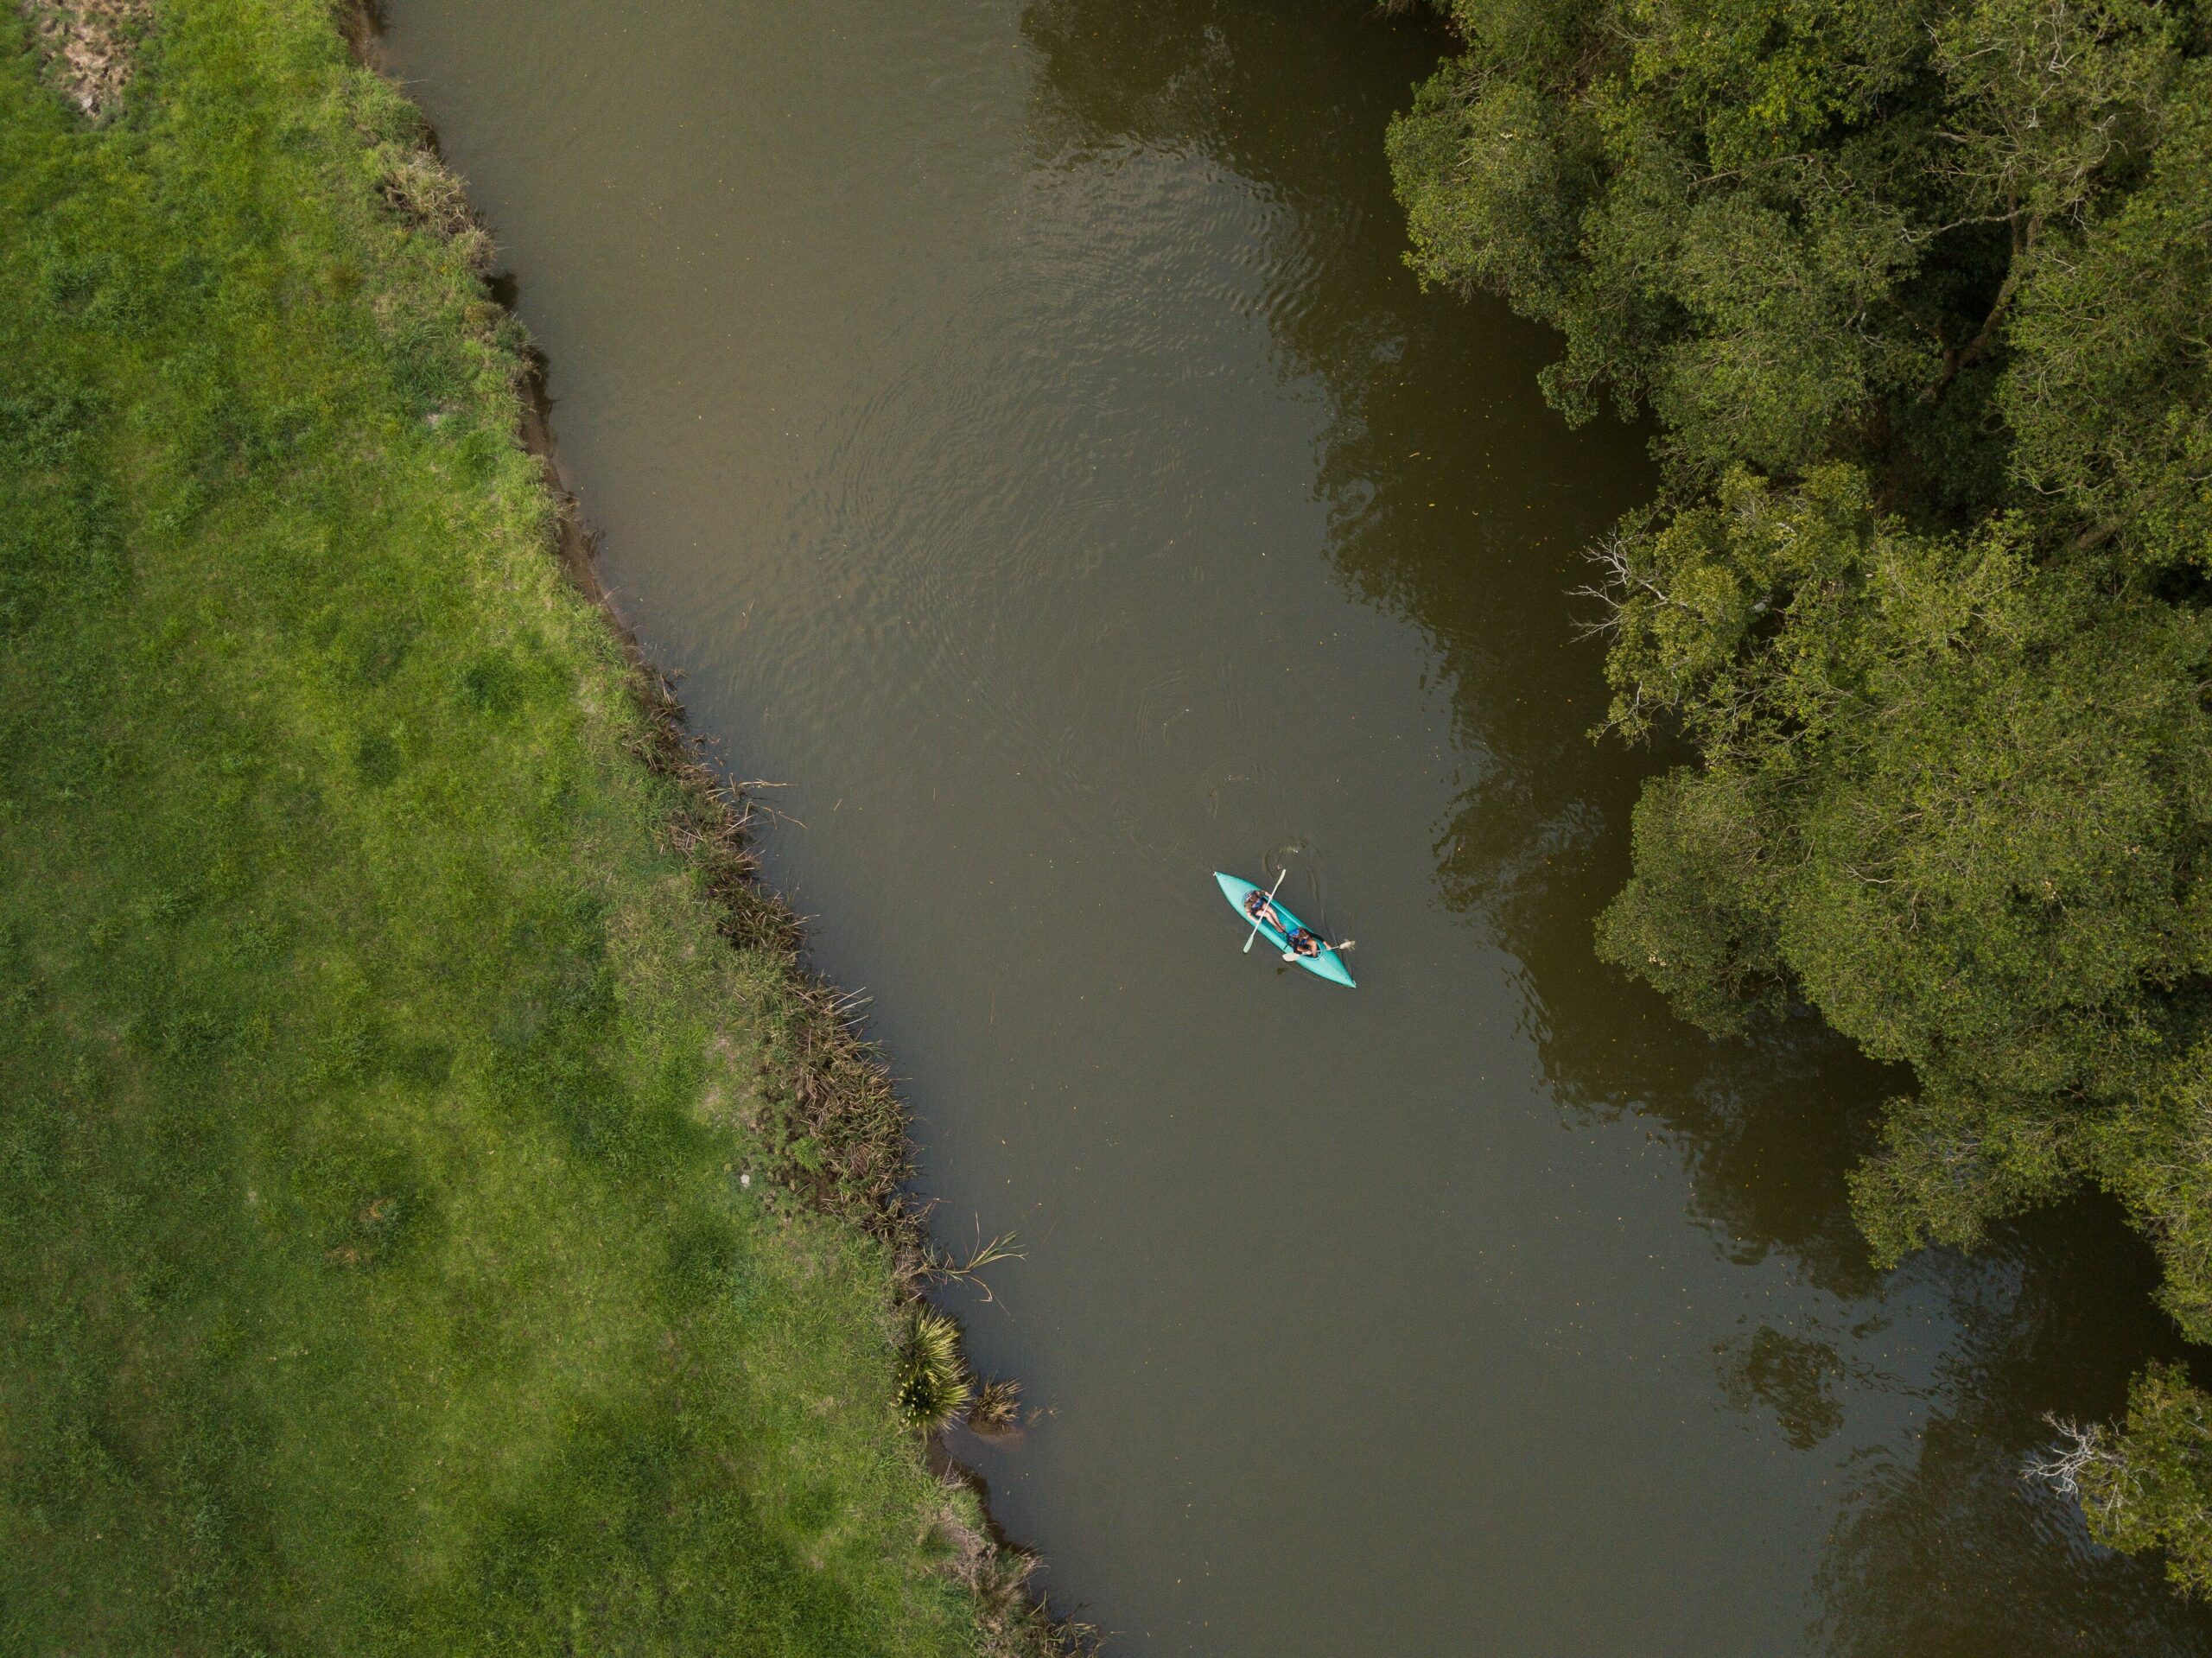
(1451, 509)
(1797, 1377)
(1946, 1550)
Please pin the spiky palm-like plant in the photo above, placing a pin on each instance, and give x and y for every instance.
(933, 1387)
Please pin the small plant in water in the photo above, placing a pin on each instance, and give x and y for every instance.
(997, 1407)
(970, 1271)
(933, 1387)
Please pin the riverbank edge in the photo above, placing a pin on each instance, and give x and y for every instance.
(843, 1096)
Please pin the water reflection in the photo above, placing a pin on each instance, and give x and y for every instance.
(1795, 1377)
(1437, 518)
(1943, 1548)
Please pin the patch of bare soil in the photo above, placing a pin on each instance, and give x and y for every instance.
(90, 46)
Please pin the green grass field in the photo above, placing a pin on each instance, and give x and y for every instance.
(375, 1083)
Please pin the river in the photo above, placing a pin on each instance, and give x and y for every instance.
(1017, 425)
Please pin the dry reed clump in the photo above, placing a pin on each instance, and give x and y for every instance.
(410, 175)
(839, 1141)
(837, 1135)
(1009, 1610)
(428, 193)
(997, 1408)
(89, 47)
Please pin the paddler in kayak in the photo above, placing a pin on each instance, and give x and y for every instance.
(1257, 906)
(1304, 941)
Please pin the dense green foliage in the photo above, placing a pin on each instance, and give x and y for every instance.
(1916, 293)
(380, 1269)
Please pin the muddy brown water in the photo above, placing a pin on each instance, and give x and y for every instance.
(1017, 425)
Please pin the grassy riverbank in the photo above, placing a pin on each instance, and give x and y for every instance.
(405, 1113)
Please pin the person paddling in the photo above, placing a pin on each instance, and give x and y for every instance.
(1302, 946)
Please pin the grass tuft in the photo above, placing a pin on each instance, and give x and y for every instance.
(933, 1386)
(997, 1408)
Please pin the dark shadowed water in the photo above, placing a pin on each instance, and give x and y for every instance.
(1016, 422)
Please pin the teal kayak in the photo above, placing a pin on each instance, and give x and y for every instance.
(1328, 965)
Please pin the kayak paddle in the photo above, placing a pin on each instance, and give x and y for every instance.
(1272, 891)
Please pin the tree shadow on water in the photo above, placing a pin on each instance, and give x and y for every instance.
(1943, 1547)
(1458, 503)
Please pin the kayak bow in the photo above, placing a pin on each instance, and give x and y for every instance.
(1327, 965)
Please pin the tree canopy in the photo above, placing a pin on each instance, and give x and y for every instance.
(1916, 294)
(1927, 237)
